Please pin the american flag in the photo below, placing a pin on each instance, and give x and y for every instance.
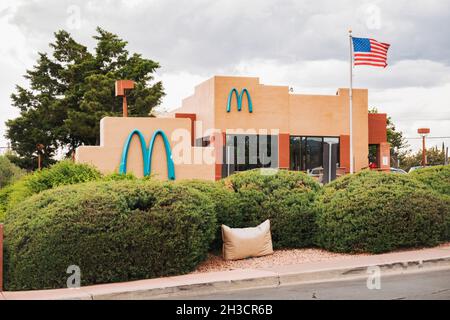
(370, 52)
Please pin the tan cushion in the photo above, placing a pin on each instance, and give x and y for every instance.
(247, 242)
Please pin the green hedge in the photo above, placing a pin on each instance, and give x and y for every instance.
(286, 198)
(438, 178)
(114, 231)
(378, 212)
(225, 205)
(62, 173)
(9, 172)
(121, 228)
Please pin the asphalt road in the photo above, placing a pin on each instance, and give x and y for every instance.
(426, 285)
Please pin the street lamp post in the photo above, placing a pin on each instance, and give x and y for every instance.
(424, 132)
(121, 87)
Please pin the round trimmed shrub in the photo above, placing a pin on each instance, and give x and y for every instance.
(113, 230)
(285, 197)
(437, 178)
(62, 173)
(378, 212)
(225, 205)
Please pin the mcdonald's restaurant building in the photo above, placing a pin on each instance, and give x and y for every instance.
(232, 124)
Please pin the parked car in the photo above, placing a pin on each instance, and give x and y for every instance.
(398, 170)
(316, 173)
(415, 168)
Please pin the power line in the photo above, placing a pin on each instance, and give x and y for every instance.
(421, 119)
(417, 138)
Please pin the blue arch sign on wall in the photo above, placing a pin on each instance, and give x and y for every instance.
(239, 96)
(147, 153)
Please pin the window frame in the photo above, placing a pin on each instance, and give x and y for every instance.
(232, 141)
(303, 159)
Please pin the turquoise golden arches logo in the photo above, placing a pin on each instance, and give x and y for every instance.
(239, 96)
(147, 153)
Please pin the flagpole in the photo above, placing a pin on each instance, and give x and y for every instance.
(351, 101)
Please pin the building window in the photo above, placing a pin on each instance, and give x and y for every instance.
(203, 142)
(246, 152)
(306, 153)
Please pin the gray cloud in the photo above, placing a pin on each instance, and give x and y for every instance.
(298, 43)
(202, 36)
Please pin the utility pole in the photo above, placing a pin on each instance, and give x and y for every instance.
(39, 148)
(446, 156)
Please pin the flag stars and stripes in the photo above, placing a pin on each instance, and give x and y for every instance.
(369, 52)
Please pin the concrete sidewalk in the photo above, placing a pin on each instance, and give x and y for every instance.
(204, 283)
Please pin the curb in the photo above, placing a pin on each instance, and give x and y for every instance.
(320, 275)
(214, 282)
(200, 288)
(363, 271)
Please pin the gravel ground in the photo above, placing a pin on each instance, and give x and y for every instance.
(280, 257)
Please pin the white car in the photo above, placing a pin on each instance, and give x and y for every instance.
(415, 168)
(316, 172)
(398, 170)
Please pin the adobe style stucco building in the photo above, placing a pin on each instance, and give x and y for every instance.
(236, 123)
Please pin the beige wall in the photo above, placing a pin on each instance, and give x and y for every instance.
(270, 105)
(318, 115)
(275, 108)
(202, 104)
(113, 133)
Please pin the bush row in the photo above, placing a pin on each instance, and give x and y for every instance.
(286, 198)
(9, 172)
(112, 231)
(122, 228)
(246, 199)
(437, 178)
(378, 212)
(61, 173)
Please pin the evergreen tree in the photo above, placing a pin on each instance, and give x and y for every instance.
(71, 90)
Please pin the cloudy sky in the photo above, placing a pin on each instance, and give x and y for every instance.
(303, 44)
